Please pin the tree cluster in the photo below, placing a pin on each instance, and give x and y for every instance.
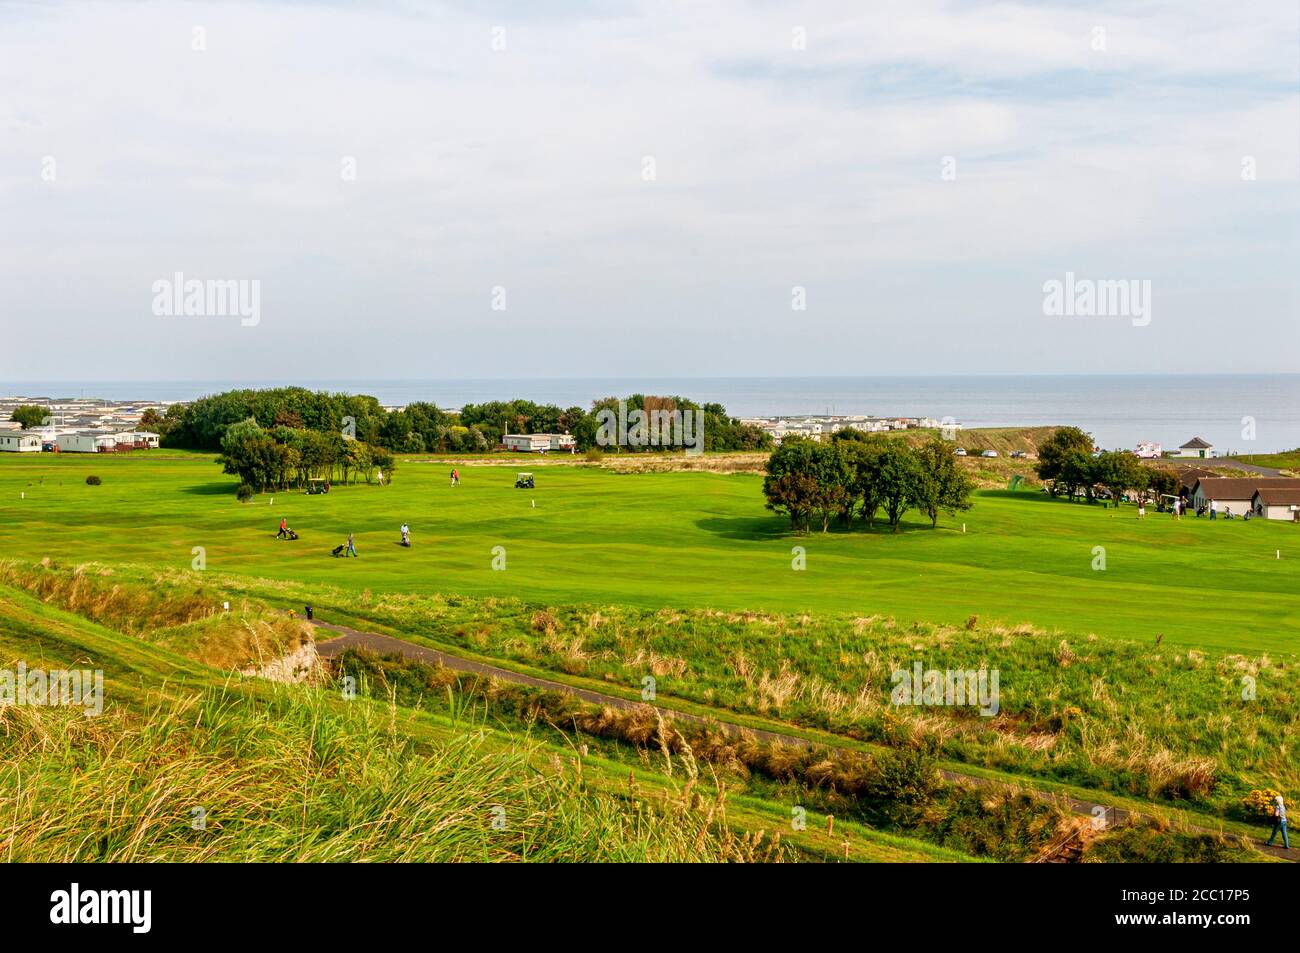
(855, 477)
(1069, 466)
(284, 457)
(423, 427)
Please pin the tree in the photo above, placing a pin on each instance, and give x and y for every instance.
(1119, 472)
(29, 415)
(795, 494)
(833, 475)
(861, 454)
(789, 485)
(896, 474)
(1163, 481)
(1056, 449)
(1077, 473)
(942, 483)
(249, 453)
(384, 461)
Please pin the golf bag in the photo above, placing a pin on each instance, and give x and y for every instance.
(338, 550)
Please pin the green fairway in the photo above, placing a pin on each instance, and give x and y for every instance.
(673, 539)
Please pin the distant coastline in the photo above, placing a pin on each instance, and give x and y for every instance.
(1120, 410)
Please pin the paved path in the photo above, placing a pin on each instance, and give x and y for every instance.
(349, 638)
(1230, 464)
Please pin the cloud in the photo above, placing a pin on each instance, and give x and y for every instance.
(505, 145)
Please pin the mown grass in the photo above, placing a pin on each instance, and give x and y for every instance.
(1128, 679)
(685, 540)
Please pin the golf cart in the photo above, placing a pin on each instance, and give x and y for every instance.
(315, 486)
(523, 481)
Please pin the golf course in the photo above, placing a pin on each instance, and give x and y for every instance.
(1122, 646)
(586, 535)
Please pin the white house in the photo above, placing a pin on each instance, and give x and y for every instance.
(538, 442)
(86, 442)
(1277, 503)
(20, 441)
(1196, 447)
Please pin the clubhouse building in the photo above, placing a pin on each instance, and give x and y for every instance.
(1242, 495)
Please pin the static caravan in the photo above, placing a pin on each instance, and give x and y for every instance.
(20, 441)
(136, 440)
(527, 442)
(87, 443)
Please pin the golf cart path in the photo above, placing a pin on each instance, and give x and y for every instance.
(348, 638)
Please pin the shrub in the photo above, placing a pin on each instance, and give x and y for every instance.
(1259, 803)
(93, 480)
(1152, 842)
(595, 455)
(907, 776)
(244, 493)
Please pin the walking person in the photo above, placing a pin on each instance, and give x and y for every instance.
(1214, 510)
(284, 528)
(1142, 509)
(351, 550)
(1279, 822)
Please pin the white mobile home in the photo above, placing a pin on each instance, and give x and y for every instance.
(136, 440)
(537, 442)
(86, 442)
(20, 441)
(526, 442)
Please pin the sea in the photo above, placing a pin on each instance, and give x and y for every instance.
(1235, 413)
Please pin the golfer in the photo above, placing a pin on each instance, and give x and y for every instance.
(351, 550)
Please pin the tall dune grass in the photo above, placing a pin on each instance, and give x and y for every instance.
(218, 776)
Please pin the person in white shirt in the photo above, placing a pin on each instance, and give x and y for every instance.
(1279, 822)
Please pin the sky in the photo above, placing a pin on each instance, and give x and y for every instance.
(670, 189)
